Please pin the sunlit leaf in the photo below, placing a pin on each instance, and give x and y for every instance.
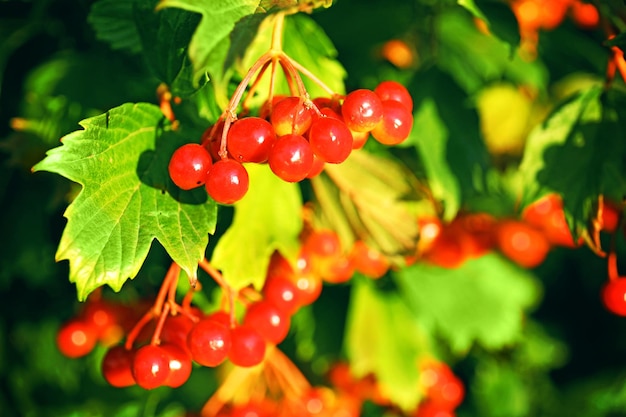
(483, 301)
(267, 218)
(384, 339)
(127, 200)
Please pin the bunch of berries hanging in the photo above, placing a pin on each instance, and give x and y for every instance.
(294, 134)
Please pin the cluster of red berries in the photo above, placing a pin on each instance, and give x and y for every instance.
(211, 339)
(191, 336)
(100, 321)
(526, 240)
(335, 264)
(317, 401)
(443, 390)
(295, 136)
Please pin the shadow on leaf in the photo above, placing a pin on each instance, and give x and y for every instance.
(152, 168)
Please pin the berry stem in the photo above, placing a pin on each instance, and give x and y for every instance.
(230, 113)
(132, 335)
(227, 289)
(170, 280)
(311, 76)
(159, 309)
(159, 327)
(612, 265)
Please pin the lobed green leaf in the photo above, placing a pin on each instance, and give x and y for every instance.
(211, 40)
(578, 152)
(446, 135)
(127, 199)
(165, 36)
(114, 23)
(483, 301)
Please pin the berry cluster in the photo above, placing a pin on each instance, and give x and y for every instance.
(534, 16)
(295, 136)
(100, 321)
(210, 339)
(443, 390)
(314, 401)
(526, 240)
(163, 343)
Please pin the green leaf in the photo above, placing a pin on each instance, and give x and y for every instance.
(127, 200)
(269, 217)
(482, 301)
(471, 6)
(578, 152)
(500, 390)
(501, 21)
(113, 22)
(446, 135)
(319, 56)
(210, 42)
(431, 138)
(474, 58)
(165, 36)
(383, 338)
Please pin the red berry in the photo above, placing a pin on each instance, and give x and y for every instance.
(291, 116)
(368, 261)
(281, 292)
(547, 214)
(330, 139)
(445, 251)
(392, 90)
(441, 386)
(179, 365)
(317, 168)
(209, 342)
(359, 139)
(322, 244)
(337, 270)
(291, 158)
(175, 331)
(189, 166)
(151, 366)
(104, 317)
(308, 283)
(610, 216)
(308, 286)
(250, 139)
(396, 124)
(614, 296)
(248, 346)
(267, 319)
(254, 408)
(522, 243)
(76, 338)
(584, 15)
(362, 110)
(322, 247)
(227, 181)
(430, 409)
(117, 367)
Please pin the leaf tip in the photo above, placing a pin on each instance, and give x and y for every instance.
(193, 280)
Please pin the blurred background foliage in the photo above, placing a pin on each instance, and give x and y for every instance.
(570, 357)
